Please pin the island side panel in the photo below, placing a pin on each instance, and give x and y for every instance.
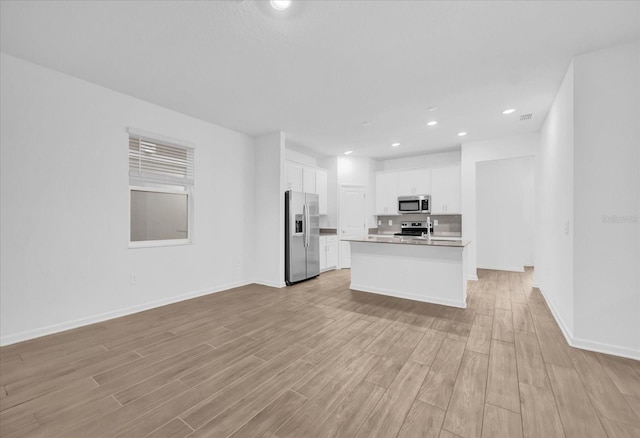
(433, 274)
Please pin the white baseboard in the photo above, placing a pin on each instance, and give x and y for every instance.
(270, 283)
(407, 296)
(585, 344)
(472, 277)
(101, 317)
(615, 350)
(568, 334)
(503, 268)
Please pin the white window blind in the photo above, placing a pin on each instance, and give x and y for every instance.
(160, 161)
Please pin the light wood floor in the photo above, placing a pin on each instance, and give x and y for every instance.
(318, 360)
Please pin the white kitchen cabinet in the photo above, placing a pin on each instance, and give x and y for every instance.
(422, 181)
(309, 180)
(442, 183)
(294, 180)
(328, 252)
(332, 252)
(414, 182)
(321, 190)
(386, 193)
(323, 253)
(446, 189)
(301, 178)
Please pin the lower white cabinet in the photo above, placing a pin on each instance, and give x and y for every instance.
(323, 253)
(332, 251)
(328, 252)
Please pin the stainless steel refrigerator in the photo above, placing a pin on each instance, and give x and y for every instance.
(302, 236)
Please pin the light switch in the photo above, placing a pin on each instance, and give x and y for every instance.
(435, 222)
(566, 227)
(390, 222)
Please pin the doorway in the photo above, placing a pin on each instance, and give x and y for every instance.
(352, 220)
(504, 212)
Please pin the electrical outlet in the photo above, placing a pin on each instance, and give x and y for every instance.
(379, 222)
(566, 227)
(435, 222)
(390, 222)
(133, 279)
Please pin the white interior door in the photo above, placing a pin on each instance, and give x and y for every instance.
(352, 221)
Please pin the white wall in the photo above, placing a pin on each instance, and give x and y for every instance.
(528, 210)
(64, 206)
(429, 160)
(500, 199)
(473, 153)
(293, 155)
(269, 210)
(607, 184)
(554, 201)
(589, 203)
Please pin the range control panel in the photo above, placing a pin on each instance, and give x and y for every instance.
(418, 224)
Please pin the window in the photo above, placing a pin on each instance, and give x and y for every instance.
(160, 189)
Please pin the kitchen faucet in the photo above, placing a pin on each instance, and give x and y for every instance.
(428, 233)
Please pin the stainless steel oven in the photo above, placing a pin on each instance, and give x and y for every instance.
(414, 204)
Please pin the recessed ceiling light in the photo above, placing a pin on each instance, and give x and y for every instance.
(432, 108)
(348, 152)
(432, 123)
(280, 5)
(395, 145)
(509, 111)
(462, 134)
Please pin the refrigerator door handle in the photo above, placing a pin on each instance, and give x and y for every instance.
(305, 224)
(308, 226)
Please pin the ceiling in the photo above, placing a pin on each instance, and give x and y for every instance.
(320, 69)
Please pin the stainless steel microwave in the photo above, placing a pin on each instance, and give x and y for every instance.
(414, 204)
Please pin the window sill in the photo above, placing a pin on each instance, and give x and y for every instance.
(159, 243)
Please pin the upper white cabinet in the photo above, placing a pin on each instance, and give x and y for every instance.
(321, 189)
(309, 180)
(442, 183)
(386, 193)
(301, 178)
(294, 179)
(446, 189)
(414, 182)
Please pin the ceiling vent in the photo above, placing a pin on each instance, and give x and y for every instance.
(526, 116)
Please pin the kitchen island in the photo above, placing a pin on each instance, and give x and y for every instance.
(421, 269)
